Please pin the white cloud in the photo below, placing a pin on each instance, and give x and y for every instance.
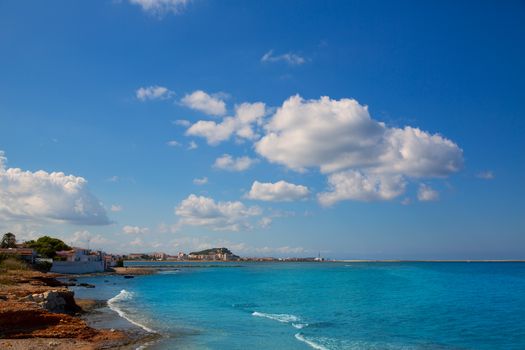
(290, 58)
(486, 175)
(247, 117)
(279, 191)
(406, 201)
(86, 239)
(201, 181)
(135, 230)
(153, 93)
(114, 178)
(182, 122)
(192, 145)
(173, 143)
(218, 216)
(339, 134)
(265, 222)
(229, 163)
(425, 193)
(26, 195)
(137, 242)
(203, 102)
(161, 7)
(279, 250)
(116, 208)
(354, 185)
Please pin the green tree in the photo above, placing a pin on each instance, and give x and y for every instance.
(47, 246)
(8, 241)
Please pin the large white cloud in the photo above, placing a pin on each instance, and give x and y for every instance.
(354, 185)
(334, 135)
(364, 158)
(218, 216)
(279, 191)
(203, 102)
(247, 116)
(26, 195)
(229, 163)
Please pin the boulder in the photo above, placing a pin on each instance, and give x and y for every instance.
(56, 301)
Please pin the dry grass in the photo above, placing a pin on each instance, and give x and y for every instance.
(5, 279)
(13, 264)
(11, 268)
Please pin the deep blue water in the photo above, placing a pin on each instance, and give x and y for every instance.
(327, 305)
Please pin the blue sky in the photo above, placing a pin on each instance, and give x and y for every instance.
(358, 129)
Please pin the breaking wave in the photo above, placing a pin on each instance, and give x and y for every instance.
(310, 342)
(114, 302)
(284, 318)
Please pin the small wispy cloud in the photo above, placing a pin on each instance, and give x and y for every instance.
(116, 207)
(427, 193)
(229, 163)
(182, 122)
(193, 145)
(135, 230)
(201, 181)
(173, 143)
(153, 93)
(113, 178)
(206, 103)
(290, 58)
(485, 175)
(161, 7)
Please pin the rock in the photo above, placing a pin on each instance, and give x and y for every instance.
(56, 301)
(86, 285)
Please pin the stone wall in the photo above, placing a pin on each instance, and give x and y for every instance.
(77, 266)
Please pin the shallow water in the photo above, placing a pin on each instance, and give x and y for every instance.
(326, 305)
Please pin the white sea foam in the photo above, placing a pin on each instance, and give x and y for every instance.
(284, 318)
(310, 342)
(117, 299)
(300, 325)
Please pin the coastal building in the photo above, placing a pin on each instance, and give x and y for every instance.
(79, 260)
(26, 254)
(110, 261)
(160, 256)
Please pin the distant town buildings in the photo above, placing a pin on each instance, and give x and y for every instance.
(213, 254)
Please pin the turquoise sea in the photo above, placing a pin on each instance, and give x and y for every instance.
(325, 305)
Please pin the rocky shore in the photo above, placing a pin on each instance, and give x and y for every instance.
(37, 311)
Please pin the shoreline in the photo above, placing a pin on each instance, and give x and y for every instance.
(37, 311)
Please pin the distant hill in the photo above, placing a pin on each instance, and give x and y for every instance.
(212, 251)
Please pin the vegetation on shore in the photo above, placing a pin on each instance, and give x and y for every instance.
(8, 241)
(212, 251)
(47, 246)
